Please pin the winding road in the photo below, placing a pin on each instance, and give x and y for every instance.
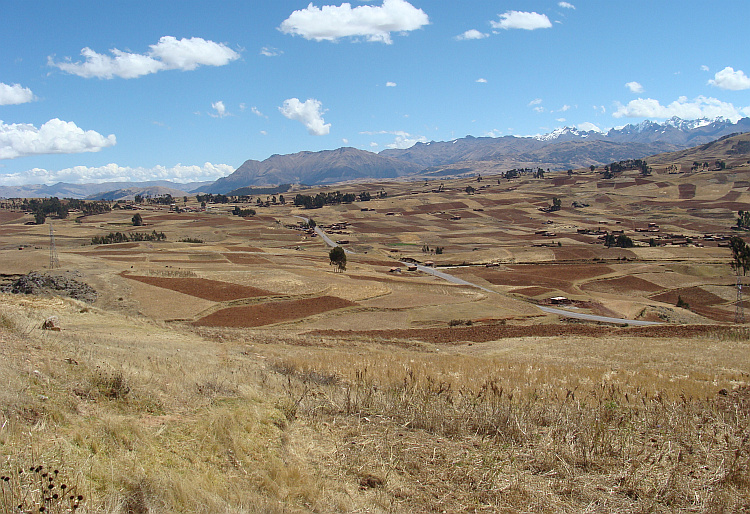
(460, 281)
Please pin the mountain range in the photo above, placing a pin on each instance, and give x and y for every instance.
(564, 148)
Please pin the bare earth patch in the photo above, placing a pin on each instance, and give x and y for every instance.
(213, 290)
(269, 313)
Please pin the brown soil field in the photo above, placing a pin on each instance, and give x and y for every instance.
(206, 289)
(687, 191)
(622, 285)
(9, 216)
(485, 333)
(245, 258)
(272, 312)
(693, 295)
(532, 291)
(561, 277)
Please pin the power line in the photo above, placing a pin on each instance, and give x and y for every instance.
(54, 262)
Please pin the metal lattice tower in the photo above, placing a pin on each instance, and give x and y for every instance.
(739, 310)
(54, 262)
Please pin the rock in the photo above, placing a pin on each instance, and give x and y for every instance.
(51, 323)
(54, 283)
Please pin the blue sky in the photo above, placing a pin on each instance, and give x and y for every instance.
(188, 90)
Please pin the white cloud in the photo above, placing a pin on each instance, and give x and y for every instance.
(700, 107)
(373, 144)
(15, 94)
(55, 136)
(220, 109)
(482, 81)
(403, 139)
(730, 79)
(255, 111)
(560, 120)
(522, 20)
(539, 109)
(566, 5)
(263, 133)
(536, 101)
(564, 108)
(634, 87)
(270, 51)
(374, 23)
(704, 67)
(309, 113)
(600, 108)
(390, 84)
(116, 173)
(471, 34)
(588, 126)
(493, 133)
(168, 54)
(345, 140)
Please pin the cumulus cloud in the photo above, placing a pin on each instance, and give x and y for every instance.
(309, 113)
(471, 34)
(220, 109)
(374, 23)
(588, 126)
(634, 87)
(704, 67)
(270, 51)
(700, 107)
(481, 81)
(522, 20)
(116, 173)
(15, 94)
(730, 79)
(55, 136)
(403, 139)
(169, 53)
(390, 84)
(566, 5)
(257, 112)
(536, 101)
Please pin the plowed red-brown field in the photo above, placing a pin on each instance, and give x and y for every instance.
(272, 312)
(245, 258)
(484, 333)
(622, 285)
(212, 290)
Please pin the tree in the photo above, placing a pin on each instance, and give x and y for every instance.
(740, 255)
(40, 217)
(337, 256)
(137, 220)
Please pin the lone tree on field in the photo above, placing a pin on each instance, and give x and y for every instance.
(137, 220)
(337, 255)
(740, 265)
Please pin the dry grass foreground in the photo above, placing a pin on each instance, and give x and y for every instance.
(138, 416)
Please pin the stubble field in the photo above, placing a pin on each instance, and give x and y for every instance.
(245, 374)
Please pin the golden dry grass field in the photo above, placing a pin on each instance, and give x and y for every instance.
(245, 374)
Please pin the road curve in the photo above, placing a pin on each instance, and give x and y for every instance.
(455, 280)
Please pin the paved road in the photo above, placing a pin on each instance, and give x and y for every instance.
(460, 281)
(324, 236)
(550, 310)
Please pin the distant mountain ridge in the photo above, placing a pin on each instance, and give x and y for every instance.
(325, 167)
(564, 148)
(95, 191)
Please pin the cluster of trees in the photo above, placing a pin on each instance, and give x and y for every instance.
(89, 208)
(243, 212)
(43, 208)
(330, 198)
(122, 237)
(743, 219)
(620, 241)
(628, 164)
(211, 198)
(438, 249)
(719, 165)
